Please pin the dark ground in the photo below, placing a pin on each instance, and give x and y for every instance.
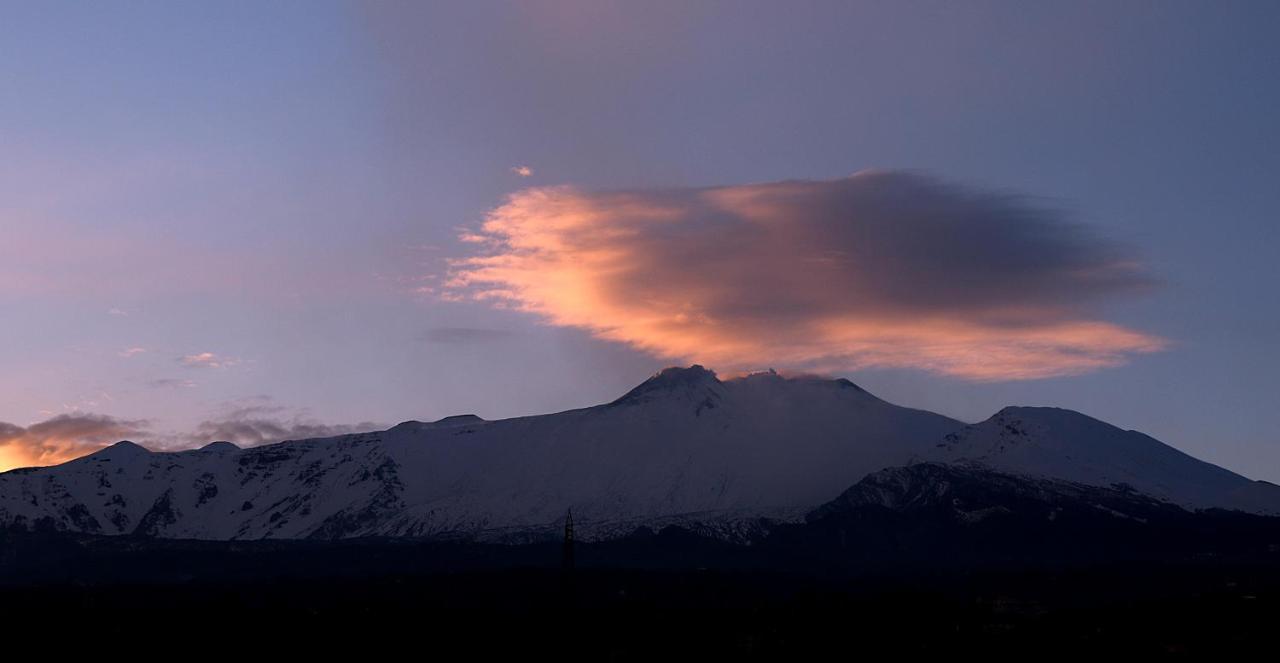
(633, 600)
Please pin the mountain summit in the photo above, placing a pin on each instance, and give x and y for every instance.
(723, 457)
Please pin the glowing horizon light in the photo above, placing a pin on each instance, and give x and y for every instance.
(61, 438)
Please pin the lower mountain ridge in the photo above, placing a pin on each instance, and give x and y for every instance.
(937, 514)
(729, 459)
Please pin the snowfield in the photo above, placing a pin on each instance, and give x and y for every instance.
(725, 458)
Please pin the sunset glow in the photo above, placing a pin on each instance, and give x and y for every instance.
(60, 438)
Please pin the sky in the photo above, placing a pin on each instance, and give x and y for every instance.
(261, 221)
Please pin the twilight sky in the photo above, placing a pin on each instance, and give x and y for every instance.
(257, 221)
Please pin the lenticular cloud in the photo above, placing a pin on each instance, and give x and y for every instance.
(877, 270)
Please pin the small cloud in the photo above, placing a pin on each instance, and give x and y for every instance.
(207, 360)
(131, 352)
(62, 438)
(171, 383)
(464, 335)
(118, 312)
(522, 171)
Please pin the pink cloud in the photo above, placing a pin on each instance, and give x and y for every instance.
(207, 360)
(877, 270)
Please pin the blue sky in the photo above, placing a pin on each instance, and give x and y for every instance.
(264, 189)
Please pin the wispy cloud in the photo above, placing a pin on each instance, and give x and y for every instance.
(62, 438)
(522, 171)
(128, 353)
(207, 360)
(881, 269)
(171, 383)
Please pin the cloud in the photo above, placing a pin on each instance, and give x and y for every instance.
(62, 438)
(128, 353)
(171, 383)
(464, 335)
(876, 270)
(263, 423)
(69, 436)
(522, 171)
(207, 360)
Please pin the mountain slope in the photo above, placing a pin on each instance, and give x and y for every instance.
(724, 458)
(682, 446)
(965, 514)
(1062, 444)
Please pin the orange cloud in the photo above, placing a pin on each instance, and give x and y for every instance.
(60, 439)
(877, 270)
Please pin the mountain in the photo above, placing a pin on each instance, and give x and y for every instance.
(723, 458)
(967, 514)
(969, 494)
(924, 516)
(923, 558)
(683, 447)
(1062, 444)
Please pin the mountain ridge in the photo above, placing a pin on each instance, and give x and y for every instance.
(684, 447)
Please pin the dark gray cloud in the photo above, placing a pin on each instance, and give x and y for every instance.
(881, 269)
(264, 423)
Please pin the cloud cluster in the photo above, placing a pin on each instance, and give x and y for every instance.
(877, 270)
(263, 423)
(247, 423)
(62, 438)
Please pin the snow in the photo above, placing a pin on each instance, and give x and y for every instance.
(1062, 444)
(722, 457)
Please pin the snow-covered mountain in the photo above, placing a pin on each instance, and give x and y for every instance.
(961, 515)
(1062, 444)
(682, 445)
(720, 457)
(970, 494)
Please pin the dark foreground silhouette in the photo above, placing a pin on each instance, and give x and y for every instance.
(928, 559)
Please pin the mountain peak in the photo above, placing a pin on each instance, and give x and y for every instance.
(692, 380)
(450, 422)
(459, 419)
(121, 449)
(693, 373)
(772, 380)
(1048, 416)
